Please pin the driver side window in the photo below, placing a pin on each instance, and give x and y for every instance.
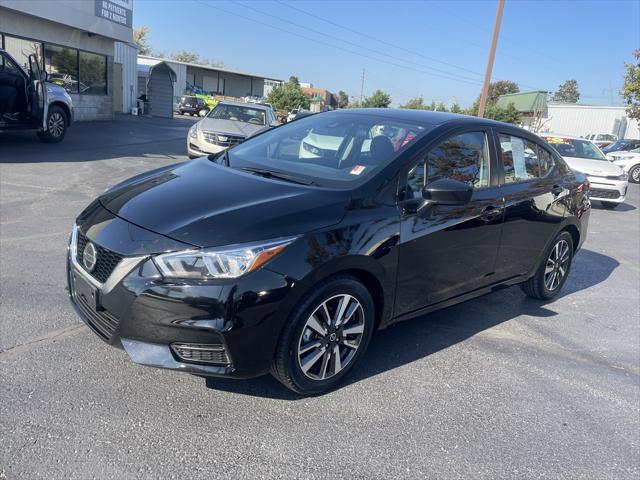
(463, 157)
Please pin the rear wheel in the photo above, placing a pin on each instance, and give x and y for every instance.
(56, 126)
(634, 174)
(325, 337)
(553, 270)
(609, 205)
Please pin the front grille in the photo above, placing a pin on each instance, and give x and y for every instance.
(103, 323)
(601, 193)
(222, 140)
(106, 261)
(201, 353)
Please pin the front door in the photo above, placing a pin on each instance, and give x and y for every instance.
(446, 251)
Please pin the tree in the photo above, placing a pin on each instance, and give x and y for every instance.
(441, 107)
(508, 114)
(631, 87)
(343, 99)
(567, 92)
(500, 87)
(289, 95)
(378, 99)
(455, 108)
(416, 103)
(140, 38)
(186, 57)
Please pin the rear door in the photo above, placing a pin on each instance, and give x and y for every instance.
(535, 196)
(450, 250)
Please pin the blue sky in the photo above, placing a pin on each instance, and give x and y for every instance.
(437, 49)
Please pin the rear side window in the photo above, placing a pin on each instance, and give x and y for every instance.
(519, 159)
(463, 157)
(546, 161)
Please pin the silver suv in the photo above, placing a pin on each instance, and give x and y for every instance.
(29, 102)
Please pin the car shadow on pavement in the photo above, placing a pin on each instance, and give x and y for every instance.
(406, 342)
(624, 207)
(127, 136)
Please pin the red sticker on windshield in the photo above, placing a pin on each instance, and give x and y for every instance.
(357, 170)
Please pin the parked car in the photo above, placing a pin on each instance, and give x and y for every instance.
(228, 124)
(293, 114)
(608, 181)
(602, 139)
(629, 162)
(255, 260)
(29, 102)
(193, 106)
(623, 145)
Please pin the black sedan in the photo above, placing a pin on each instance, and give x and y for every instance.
(286, 253)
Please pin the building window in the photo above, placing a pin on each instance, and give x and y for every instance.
(62, 65)
(93, 74)
(20, 49)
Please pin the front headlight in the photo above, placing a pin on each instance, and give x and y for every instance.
(193, 131)
(224, 262)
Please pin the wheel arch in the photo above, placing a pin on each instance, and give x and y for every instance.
(65, 108)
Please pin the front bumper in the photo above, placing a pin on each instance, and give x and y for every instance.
(137, 310)
(198, 147)
(607, 190)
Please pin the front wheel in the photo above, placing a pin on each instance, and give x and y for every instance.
(56, 126)
(553, 269)
(203, 112)
(634, 174)
(325, 337)
(609, 205)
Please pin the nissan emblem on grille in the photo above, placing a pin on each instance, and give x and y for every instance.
(89, 257)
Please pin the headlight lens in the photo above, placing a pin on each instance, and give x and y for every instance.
(211, 263)
(193, 131)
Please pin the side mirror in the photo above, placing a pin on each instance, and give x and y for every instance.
(447, 191)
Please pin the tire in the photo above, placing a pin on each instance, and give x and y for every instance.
(543, 285)
(609, 205)
(634, 174)
(57, 124)
(316, 370)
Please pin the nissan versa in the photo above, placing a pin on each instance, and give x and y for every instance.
(261, 259)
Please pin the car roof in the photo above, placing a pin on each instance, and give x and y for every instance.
(259, 106)
(562, 135)
(425, 117)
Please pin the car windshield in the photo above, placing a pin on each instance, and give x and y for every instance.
(188, 99)
(578, 148)
(238, 113)
(328, 149)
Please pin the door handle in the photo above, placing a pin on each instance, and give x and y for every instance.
(557, 189)
(491, 212)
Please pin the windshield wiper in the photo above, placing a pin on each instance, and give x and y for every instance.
(279, 175)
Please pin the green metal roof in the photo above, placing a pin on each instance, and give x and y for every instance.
(525, 101)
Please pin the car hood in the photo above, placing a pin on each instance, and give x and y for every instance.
(230, 127)
(597, 168)
(205, 204)
(56, 90)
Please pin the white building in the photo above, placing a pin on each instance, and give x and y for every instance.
(581, 120)
(85, 46)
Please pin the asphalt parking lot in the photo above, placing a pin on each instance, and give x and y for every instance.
(498, 387)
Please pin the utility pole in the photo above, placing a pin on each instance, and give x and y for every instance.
(492, 54)
(362, 88)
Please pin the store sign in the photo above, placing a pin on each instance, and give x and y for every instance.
(117, 11)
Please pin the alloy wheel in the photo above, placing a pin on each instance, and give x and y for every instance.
(56, 124)
(635, 174)
(557, 265)
(331, 337)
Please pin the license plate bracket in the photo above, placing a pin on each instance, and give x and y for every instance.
(87, 291)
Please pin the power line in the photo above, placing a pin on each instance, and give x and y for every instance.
(394, 57)
(218, 8)
(370, 37)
